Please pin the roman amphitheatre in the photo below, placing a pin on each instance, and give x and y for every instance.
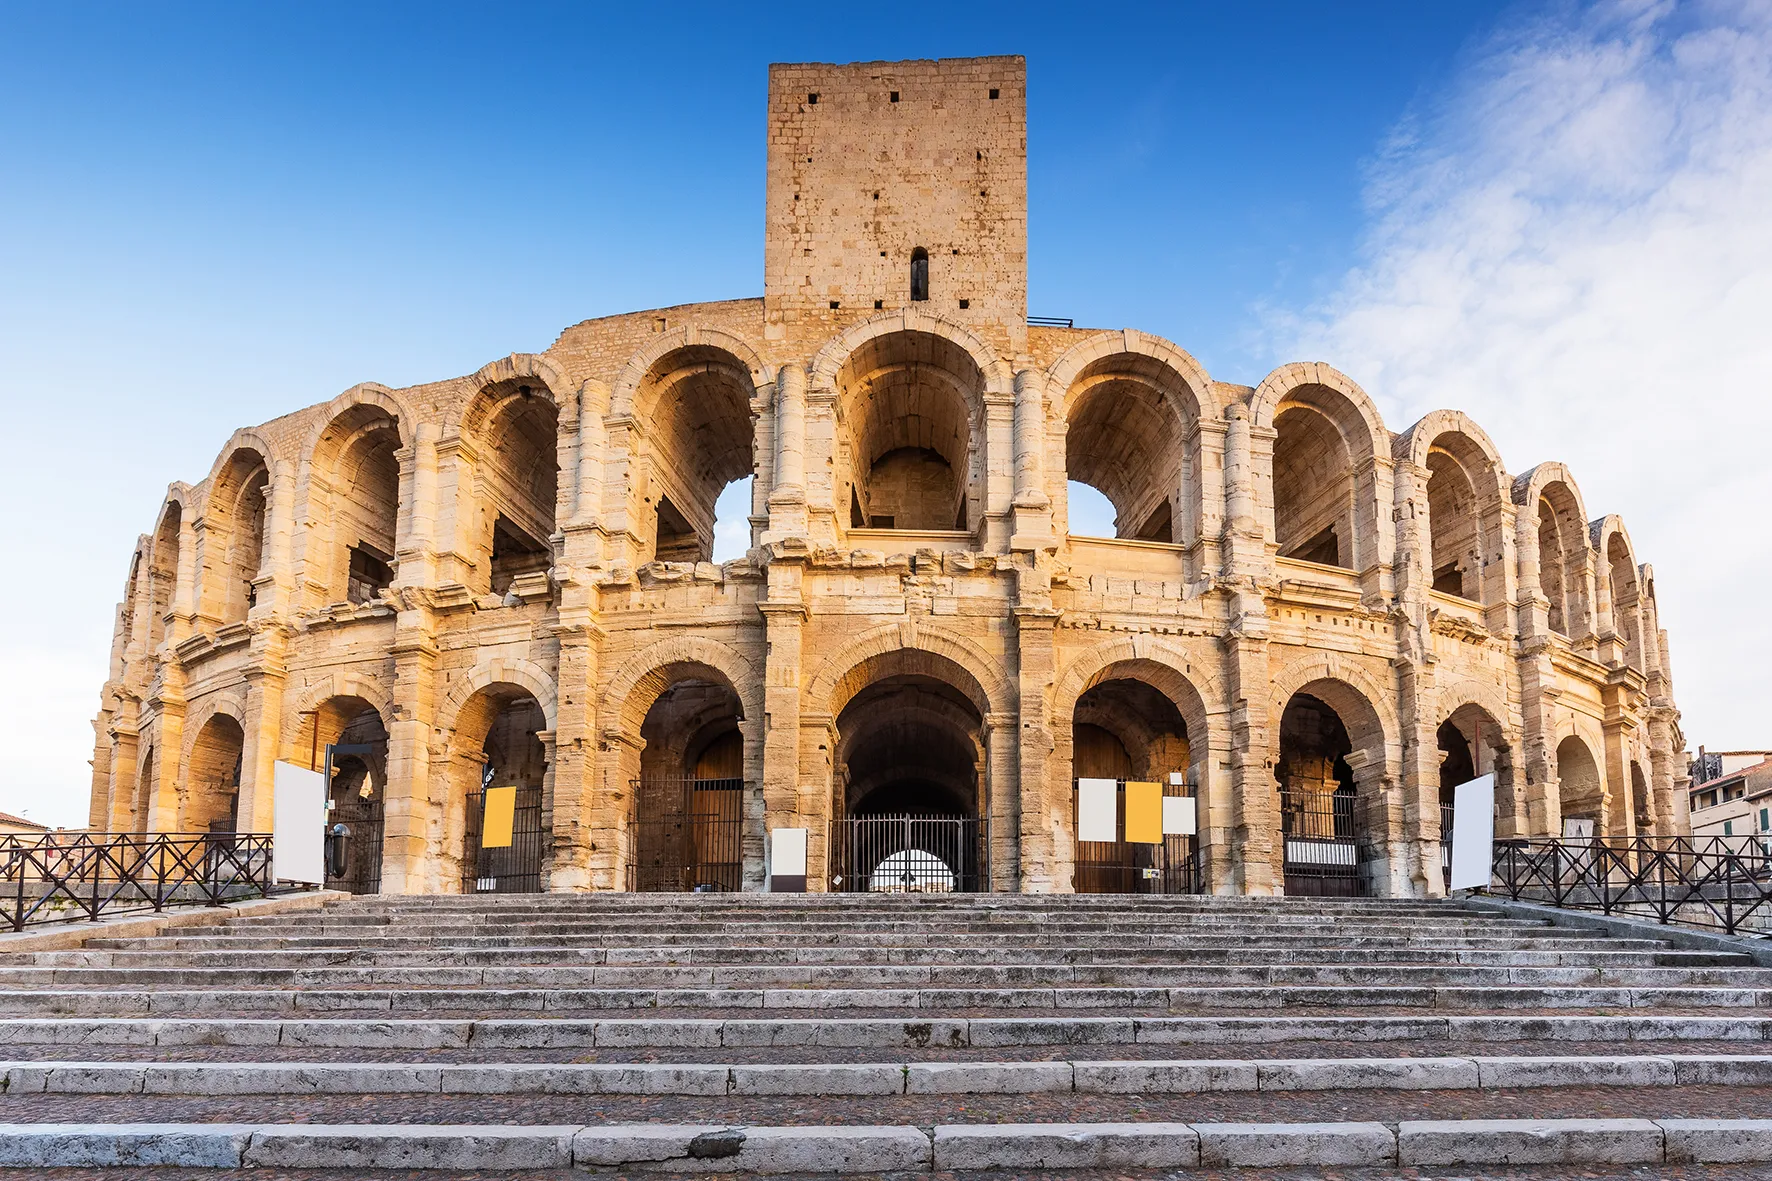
(1308, 622)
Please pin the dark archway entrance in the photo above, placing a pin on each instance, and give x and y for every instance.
(689, 798)
(910, 767)
(1319, 820)
(1130, 732)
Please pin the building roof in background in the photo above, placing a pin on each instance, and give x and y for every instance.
(9, 819)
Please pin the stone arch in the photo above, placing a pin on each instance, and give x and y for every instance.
(1164, 667)
(1459, 485)
(836, 352)
(1063, 373)
(1369, 714)
(243, 439)
(236, 514)
(687, 429)
(640, 680)
(1328, 482)
(515, 369)
(500, 670)
(161, 573)
(1480, 715)
(345, 683)
(230, 703)
(349, 495)
(627, 383)
(1129, 409)
(208, 784)
(835, 683)
(1581, 779)
(1617, 576)
(1553, 546)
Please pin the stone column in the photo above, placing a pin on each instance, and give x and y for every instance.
(1044, 849)
(788, 800)
(1255, 853)
(265, 683)
(184, 596)
(407, 810)
(787, 497)
(1032, 528)
(1003, 787)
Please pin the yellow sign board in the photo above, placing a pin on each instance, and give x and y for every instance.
(501, 817)
(1144, 813)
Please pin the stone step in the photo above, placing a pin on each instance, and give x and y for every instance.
(1081, 1076)
(923, 1000)
(416, 1033)
(893, 976)
(876, 1149)
(539, 956)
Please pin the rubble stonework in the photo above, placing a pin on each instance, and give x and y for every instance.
(507, 577)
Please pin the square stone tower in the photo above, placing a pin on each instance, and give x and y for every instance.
(897, 183)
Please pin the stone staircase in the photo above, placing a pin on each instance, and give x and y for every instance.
(826, 1033)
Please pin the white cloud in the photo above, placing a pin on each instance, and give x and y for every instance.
(1573, 244)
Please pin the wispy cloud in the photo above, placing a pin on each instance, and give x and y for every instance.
(1573, 243)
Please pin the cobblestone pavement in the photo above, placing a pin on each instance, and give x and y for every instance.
(739, 1055)
(1697, 1102)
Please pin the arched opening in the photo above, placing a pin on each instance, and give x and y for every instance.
(1642, 803)
(910, 769)
(354, 519)
(688, 821)
(1562, 549)
(1621, 570)
(1455, 522)
(906, 456)
(515, 426)
(1471, 744)
(498, 770)
(142, 802)
(1329, 777)
(732, 520)
(919, 275)
(346, 738)
(1313, 487)
(236, 523)
(163, 562)
(209, 795)
(1126, 731)
(1126, 438)
(695, 404)
(1580, 787)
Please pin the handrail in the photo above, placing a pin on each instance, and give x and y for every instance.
(1721, 883)
(70, 877)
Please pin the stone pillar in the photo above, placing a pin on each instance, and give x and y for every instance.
(265, 683)
(1255, 853)
(184, 596)
(1032, 528)
(1002, 801)
(275, 584)
(573, 764)
(1043, 844)
(787, 498)
(996, 460)
(1204, 503)
(788, 799)
(1379, 811)
(415, 548)
(407, 810)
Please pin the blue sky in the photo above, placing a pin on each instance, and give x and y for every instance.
(213, 214)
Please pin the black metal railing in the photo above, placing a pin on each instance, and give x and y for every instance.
(907, 854)
(69, 877)
(1446, 843)
(1321, 838)
(695, 847)
(1133, 867)
(1722, 883)
(505, 869)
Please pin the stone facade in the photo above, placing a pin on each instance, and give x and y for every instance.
(506, 579)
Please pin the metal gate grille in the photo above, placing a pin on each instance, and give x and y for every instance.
(699, 846)
(1322, 844)
(512, 870)
(1130, 867)
(905, 854)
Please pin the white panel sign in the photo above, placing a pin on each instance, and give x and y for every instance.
(1578, 830)
(1097, 810)
(1473, 832)
(787, 852)
(298, 824)
(1179, 817)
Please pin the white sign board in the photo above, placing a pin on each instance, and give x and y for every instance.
(1473, 833)
(1578, 830)
(1179, 817)
(1098, 810)
(787, 852)
(298, 824)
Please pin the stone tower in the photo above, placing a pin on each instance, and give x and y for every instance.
(880, 169)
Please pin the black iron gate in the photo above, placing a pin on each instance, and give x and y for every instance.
(1135, 867)
(905, 854)
(512, 869)
(696, 846)
(1322, 844)
(354, 821)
